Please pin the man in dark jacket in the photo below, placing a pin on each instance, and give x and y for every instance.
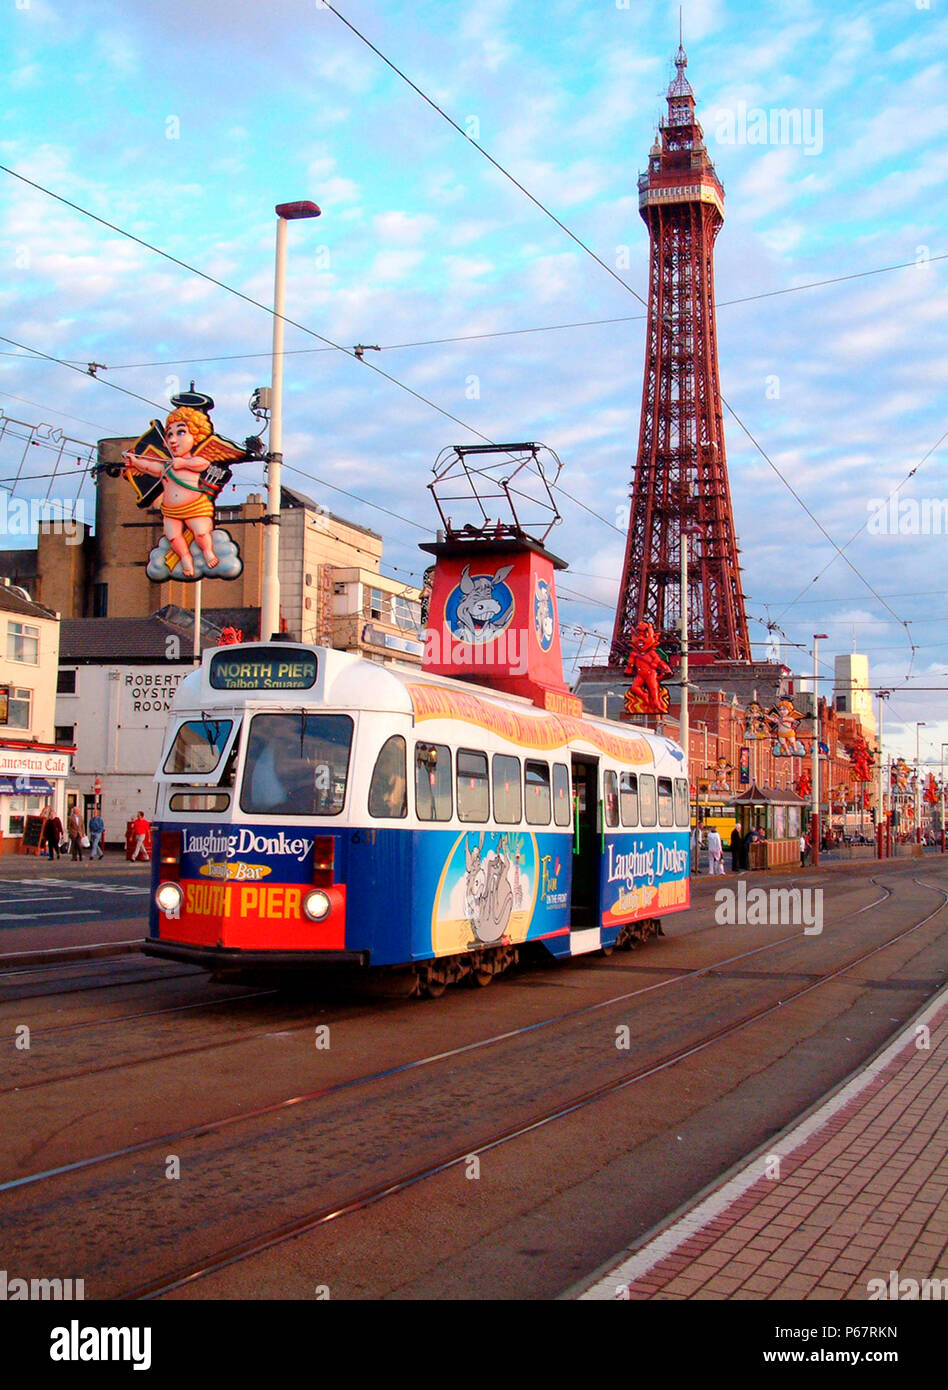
(737, 850)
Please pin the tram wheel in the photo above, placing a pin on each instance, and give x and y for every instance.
(480, 979)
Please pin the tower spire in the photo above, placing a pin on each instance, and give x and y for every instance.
(680, 482)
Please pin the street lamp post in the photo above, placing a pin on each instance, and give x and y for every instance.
(605, 701)
(270, 588)
(919, 724)
(815, 812)
(943, 747)
(881, 821)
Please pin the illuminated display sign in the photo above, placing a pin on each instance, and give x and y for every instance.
(282, 668)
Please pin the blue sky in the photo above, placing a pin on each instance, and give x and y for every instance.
(185, 123)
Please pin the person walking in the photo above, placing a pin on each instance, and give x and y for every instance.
(52, 836)
(75, 832)
(96, 832)
(802, 851)
(737, 850)
(715, 852)
(140, 829)
(749, 838)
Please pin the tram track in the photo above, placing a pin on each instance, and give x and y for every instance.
(216, 1045)
(226, 1255)
(244, 1250)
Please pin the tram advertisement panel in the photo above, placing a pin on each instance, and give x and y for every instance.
(643, 876)
(493, 887)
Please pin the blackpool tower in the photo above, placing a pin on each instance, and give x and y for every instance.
(680, 483)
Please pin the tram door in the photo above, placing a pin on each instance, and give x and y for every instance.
(587, 849)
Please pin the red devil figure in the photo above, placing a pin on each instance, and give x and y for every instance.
(861, 759)
(647, 666)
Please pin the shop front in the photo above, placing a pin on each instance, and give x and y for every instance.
(32, 778)
(777, 817)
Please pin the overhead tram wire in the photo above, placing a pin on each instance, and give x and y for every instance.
(573, 237)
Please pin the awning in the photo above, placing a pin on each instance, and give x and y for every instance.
(767, 796)
(25, 786)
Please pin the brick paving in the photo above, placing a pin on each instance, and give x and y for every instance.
(853, 1193)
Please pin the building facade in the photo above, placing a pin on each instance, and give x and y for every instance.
(34, 763)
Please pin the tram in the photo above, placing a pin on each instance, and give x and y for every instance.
(316, 810)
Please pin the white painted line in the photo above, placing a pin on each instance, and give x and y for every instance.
(668, 1241)
(36, 897)
(35, 916)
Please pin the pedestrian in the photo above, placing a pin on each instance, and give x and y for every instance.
(749, 837)
(737, 850)
(140, 829)
(96, 832)
(52, 836)
(715, 852)
(75, 832)
(802, 851)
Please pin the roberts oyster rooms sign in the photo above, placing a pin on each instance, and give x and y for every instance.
(181, 467)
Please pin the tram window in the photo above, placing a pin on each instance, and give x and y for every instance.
(682, 802)
(433, 781)
(537, 778)
(297, 764)
(666, 810)
(629, 798)
(610, 795)
(508, 793)
(388, 790)
(647, 798)
(562, 809)
(198, 746)
(473, 795)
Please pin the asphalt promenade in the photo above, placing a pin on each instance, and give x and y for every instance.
(849, 1203)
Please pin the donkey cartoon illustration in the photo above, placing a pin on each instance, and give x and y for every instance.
(488, 896)
(478, 609)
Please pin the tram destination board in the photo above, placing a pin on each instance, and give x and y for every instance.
(277, 668)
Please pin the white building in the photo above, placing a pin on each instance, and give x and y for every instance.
(117, 677)
(33, 765)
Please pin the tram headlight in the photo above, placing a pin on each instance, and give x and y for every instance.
(169, 896)
(317, 905)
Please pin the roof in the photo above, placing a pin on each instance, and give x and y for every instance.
(767, 796)
(291, 500)
(11, 602)
(133, 641)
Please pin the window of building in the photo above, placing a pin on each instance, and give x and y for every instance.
(432, 781)
(610, 797)
(339, 588)
(508, 793)
(23, 643)
(375, 603)
(406, 612)
(388, 792)
(65, 733)
(100, 601)
(473, 794)
(629, 798)
(562, 809)
(537, 792)
(18, 713)
(666, 813)
(66, 682)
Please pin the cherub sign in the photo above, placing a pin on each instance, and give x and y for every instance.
(180, 468)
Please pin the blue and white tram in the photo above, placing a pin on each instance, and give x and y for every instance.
(316, 809)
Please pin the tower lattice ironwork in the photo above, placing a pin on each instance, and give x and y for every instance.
(680, 483)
